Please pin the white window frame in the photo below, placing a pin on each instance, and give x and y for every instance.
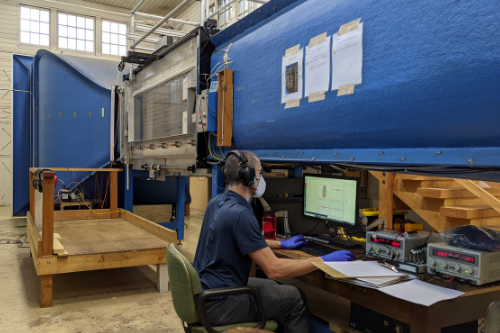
(21, 31)
(246, 11)
(226, 16)
(94, 31)
(124, 34)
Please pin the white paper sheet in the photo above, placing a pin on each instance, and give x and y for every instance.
(291, 77)
(419, 292)
(359, 269)
(379, 281)
(347, 58)
(317, 68)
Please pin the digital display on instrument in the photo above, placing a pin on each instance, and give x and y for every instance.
(454, 256)
(386, 241)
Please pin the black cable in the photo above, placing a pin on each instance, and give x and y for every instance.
(317, 223)
(16, 241)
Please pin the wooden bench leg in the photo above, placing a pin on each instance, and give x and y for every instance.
(162, 278)
(46, 291)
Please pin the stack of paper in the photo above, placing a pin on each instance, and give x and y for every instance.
(368, 274)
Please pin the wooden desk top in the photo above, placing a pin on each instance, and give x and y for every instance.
(468, 307)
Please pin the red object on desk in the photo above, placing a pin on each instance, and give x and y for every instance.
(269, 226)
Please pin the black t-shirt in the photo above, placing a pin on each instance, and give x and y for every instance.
(230, 231)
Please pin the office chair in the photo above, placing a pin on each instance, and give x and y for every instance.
(493, 318)
(189, 299)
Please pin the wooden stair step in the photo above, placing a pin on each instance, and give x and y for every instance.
(469, 212)
(449, 192)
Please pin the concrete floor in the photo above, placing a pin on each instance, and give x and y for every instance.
(118, 300)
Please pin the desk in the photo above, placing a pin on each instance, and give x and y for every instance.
(468, 307)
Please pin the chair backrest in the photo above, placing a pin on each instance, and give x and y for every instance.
(184, 283)
(493, 318)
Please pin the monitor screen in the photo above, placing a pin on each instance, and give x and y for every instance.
(331, 198)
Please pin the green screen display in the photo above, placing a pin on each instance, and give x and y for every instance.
(331, 199)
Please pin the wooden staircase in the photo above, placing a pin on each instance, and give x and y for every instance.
(442, 202)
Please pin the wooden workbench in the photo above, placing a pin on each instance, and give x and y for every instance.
(468, 307)
(91, 239)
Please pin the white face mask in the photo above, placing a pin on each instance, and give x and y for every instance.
(261, 189)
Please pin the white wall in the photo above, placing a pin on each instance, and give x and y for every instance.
(10, 44)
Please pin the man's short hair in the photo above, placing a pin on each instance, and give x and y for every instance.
(232, 167)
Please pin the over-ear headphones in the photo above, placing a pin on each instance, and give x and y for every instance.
(247, 173)
(37, 179)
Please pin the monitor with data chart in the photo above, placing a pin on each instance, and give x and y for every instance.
(331, 199)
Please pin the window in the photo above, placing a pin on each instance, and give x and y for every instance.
(225, 16)
(211, 9)
(76, 32)
(114, 38)
(244, 8)
(35, 26)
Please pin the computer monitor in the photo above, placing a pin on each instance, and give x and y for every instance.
(331, 199)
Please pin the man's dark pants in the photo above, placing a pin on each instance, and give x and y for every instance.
(281, 303)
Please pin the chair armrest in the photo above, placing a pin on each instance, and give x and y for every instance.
(205, 295)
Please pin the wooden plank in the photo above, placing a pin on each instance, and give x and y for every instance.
(48, 213)
(426, 208)
(154, 213)
(495, 186)
(481, 193)
(403, 176)
(113, 195)
(82, 169)
(162, 233)
(90, 262)
(469, 212)
(104, 236)
(82, 214)
(35, 235)
(386, 200)
(33, 249)
(225, 109)
(456, 202)
(201, 192)
(450, 192)
(486, 222)
(32, 196)
(46, 291)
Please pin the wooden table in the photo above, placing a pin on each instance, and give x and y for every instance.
(468, 307)
(90, 239)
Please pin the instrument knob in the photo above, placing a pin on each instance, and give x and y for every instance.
(431, 262)
(370, 248)
(458, 268)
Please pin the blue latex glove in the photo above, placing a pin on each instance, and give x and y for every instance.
(342, 255)
(293, 243)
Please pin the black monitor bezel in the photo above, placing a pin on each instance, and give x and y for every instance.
(336, 223)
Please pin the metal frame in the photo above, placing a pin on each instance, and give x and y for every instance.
(157, 25)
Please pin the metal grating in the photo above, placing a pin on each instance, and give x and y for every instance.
(494, 258)
(159, 111)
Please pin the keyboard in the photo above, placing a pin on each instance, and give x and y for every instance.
(316, 249)
(335, 241)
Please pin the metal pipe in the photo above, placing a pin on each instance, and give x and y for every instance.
(137, 7)
(145, 48)
(203, 11)
(171, 19)
(147, 39)
(161, 31)
(222, 9)
(163, 20)
(132, 23)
